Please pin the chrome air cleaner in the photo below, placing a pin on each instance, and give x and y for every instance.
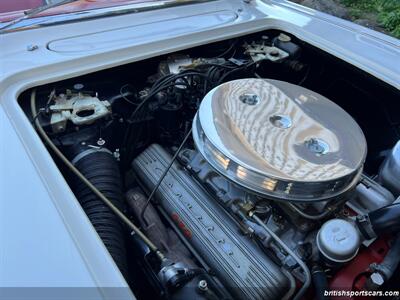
(279, 140)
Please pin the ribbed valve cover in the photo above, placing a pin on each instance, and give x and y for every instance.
(279, 140)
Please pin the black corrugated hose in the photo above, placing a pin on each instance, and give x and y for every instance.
(101, 169)
(124, 219)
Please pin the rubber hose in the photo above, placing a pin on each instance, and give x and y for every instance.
(101, 169)
(391, 261)
(386, 219)
(320, 282)
(124, 219)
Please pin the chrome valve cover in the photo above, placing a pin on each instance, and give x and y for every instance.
(279, 140)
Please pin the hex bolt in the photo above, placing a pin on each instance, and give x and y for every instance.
(203, 286)
(377, 279)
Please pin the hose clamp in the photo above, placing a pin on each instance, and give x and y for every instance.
(87, 152)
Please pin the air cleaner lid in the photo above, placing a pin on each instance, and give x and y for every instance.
(279, 139)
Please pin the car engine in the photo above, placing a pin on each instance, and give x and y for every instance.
(229, 174)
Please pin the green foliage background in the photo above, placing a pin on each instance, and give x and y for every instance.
(387, 11)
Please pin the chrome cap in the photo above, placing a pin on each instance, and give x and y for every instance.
(279, 139)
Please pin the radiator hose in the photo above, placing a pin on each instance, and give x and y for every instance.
(101, 169)
(386, 219)
(391, 261)
(320, 282)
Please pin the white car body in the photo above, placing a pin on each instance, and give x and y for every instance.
(46, 240)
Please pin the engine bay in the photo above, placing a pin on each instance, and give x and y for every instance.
(254, 168)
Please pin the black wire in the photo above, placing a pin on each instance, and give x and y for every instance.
(163, 176)
(214, 71)
(51, 97)
(305, 76)
(234, 52)
(229, 49)
(37, 115)
(149, 96)
(235, 70)
(173, 77)
(210, 75)
(218, 65)
(162, 80)
(124, 97)
(131, 119)
(160, 87)
(127, 134)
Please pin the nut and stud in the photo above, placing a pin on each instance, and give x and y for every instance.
(203, 285)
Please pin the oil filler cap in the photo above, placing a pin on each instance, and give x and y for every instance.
(338, 241)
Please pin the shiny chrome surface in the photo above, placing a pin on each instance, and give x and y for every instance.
(283, 141)
(58, 19)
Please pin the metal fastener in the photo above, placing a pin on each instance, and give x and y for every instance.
(281, 121)
(377, 279)
(203, 286)
(249, 99)
(32, 47)
(101, 142)
(317, 146)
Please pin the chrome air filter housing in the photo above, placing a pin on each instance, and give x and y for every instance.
(279, 140)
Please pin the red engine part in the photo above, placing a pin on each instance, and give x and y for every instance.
(354, 275)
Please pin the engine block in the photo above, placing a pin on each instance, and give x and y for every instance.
(238, 263)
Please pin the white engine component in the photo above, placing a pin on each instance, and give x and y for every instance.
(259, 52)
(80, 109)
